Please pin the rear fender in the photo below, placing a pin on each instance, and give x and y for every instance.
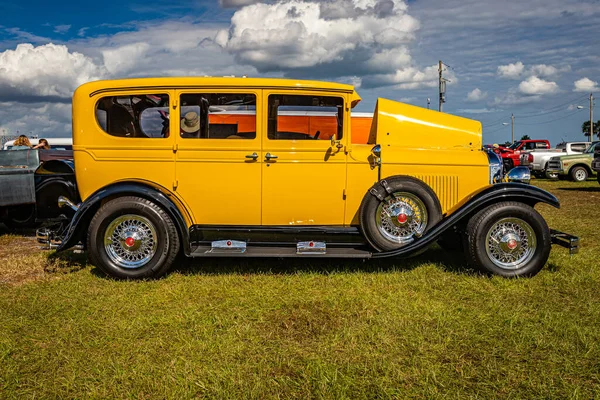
(497, 193)
(75, 231)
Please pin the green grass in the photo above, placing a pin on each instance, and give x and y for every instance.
(424, 327)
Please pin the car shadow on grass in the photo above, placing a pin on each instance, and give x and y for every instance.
(581, 189)
(448, 261)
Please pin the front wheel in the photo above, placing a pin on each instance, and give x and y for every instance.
(132, 238)
(578, 174)
(509, 239)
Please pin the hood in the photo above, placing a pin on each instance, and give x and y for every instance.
(403, 125)
(573, 156)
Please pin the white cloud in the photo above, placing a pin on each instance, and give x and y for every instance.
(536, 86)
(124, 58)
(236, 3)
(511, 71)
(476, 95)
(62, 28)
(585, 85)
(408, 78)
(333, 39)
(44, 71)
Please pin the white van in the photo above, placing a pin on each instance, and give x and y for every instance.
(55, 143)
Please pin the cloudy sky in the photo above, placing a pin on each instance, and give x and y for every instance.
(538, 59)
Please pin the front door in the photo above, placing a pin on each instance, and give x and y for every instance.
(218, 155)
(303, 173)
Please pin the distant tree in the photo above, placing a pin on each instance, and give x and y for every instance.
(525, 137)
(507, 143)
(585, 128)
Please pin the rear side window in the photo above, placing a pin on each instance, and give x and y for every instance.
(139, 116)
(218, 116)
(578, 147)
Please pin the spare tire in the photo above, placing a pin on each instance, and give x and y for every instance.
(397, 210)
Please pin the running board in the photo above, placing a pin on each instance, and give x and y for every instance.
(259, 251)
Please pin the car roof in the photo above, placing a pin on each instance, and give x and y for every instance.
(166, 83)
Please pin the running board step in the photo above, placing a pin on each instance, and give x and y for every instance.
(259, 251)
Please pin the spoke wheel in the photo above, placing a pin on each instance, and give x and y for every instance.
(401, 216)
(511, 243)
(130, 241)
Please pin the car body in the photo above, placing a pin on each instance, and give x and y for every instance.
(537, 160)
(596, 162)
(253, 167)
(32, 181)
(511, 155)
(577, 167)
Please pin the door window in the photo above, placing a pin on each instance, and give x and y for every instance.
(296, 117)
(139, 116)
(218, 116)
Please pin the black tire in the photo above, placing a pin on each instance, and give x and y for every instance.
(481, 224)
(152, 219)
(598, 176)
(21, 217)
(398, 184)
(578, 174)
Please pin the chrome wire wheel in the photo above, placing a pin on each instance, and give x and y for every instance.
(510, 243)
(400, 217)
(130, 241)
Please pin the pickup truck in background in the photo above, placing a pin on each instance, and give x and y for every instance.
(511, 155)
(577, 167)
(538, 159)
(596, 163)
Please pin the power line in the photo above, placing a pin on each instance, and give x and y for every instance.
(550, 110)
(552, 120)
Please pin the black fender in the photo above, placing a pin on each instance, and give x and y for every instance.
(500, 192)
(75, 230)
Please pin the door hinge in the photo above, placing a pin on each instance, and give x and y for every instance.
(344, 194)
(174, 104)
(175, 184)
(175, 147)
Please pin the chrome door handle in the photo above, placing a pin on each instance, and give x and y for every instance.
(270, 156)
(253, 156)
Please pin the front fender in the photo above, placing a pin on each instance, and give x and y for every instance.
(500, 192)
(74, 231)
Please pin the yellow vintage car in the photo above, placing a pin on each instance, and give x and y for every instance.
(248, 167)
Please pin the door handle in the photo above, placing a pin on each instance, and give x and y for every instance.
(253, 156)
(270, 156)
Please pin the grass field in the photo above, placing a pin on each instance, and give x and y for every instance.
(425, 328)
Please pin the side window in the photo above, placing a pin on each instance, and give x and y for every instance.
(218, 116)
(305, 117)
(578, 147)
(145, 115)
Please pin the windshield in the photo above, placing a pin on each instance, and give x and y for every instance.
(514, 145)
(591, 148)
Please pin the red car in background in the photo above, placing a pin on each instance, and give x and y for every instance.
(511, 155)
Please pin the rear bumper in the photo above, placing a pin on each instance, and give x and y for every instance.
(565, 240)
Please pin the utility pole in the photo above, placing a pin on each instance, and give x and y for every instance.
(442, 84)
(512, 119)
(591, 116)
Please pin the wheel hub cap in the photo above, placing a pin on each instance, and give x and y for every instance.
(401, 216)
(510, 243)
(130, 241)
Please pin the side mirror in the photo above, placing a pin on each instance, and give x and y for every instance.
(376, 150)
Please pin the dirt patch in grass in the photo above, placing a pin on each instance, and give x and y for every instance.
(22, 261)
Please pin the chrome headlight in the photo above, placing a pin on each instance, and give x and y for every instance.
(495, 167)
(519, 174)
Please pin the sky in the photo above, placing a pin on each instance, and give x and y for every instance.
(536, 59)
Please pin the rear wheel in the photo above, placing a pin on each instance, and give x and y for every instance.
(549, 174)
(509, 239)
(578, 174)
(405, 210)
(132, 238)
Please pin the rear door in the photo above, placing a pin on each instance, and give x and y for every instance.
(218, 155)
